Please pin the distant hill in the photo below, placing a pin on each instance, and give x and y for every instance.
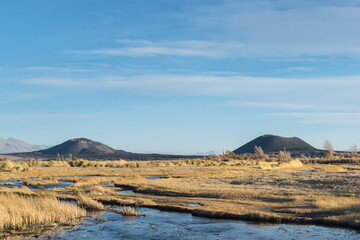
(92, 150)
(272, 144)
(12, 145)
(213, 152)
(79, 146)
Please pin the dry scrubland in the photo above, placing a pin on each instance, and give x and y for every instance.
(304, 190)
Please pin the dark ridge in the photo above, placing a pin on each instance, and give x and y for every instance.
(92, 150)
(272, 144)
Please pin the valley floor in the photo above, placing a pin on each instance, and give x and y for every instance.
(320, 194)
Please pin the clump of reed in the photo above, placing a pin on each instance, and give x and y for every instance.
(41, 182)
(330, 168)
(84, 182)
(19, 212)
(99, 190)
(295, 163)
(128, 211)
(337, 203)
(21, 191)
(10, 166)
(88, 203)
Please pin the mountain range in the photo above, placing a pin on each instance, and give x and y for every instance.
(12, 145)
(89, 149)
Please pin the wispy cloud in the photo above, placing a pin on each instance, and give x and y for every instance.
(57, 69)
(256, 29)
(281, 29)
(20, 96)
(322, 117)
(46, 116)
(142, 48)
(289, 106)
(297, 69)
(208, 84)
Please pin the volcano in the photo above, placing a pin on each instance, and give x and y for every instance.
(272, 144)
(79, 146)
(92, 150)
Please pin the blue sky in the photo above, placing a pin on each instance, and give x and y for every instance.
(180, 76)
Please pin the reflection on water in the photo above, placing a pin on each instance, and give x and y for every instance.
(154, 178)
(194, 205)
(309, 170)
(126, 191)
(171, 225)
(20, 183)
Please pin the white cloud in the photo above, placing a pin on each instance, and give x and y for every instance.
(320, 94)
(323, 117)
(284, 29)
(208, 84)
(297, 69)
(46, 116)
(142, 48)
(58, 69)
(257, 29)
(288, 105)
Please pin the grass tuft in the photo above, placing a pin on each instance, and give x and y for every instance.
(89, 204)
(26, 212)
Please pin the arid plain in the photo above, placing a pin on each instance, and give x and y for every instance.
(316, 191)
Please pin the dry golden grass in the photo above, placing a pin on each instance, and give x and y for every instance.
(260, 189)
(88, 203)
(330, 168)
(99, 190)
(295, 163)
(25, 212)
(128, 211)
(10, 166)
(41, 182)
(21, 191)
(335, 203)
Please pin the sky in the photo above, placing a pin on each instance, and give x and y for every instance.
(180, 76)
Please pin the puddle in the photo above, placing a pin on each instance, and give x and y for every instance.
(108, 185)
(12, 183)
(194, 205)
(155, 177)
(171, 225)
(20, 183)
(309, 170)
(52, 186)
(126, 191)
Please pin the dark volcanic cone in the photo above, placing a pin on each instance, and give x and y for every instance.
(79, 146)
(91, 150)
(271, 144)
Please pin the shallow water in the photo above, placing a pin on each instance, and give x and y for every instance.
(126, 191)
(194, 205)
(108, 185)
(154, 178)
(172, 225)
(20, 183)
(309, 170)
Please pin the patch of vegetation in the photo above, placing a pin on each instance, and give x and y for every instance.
(23, 213)
(128, 211)
(88, 203)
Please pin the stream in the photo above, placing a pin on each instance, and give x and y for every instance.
(165, 225)
(20, 183)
